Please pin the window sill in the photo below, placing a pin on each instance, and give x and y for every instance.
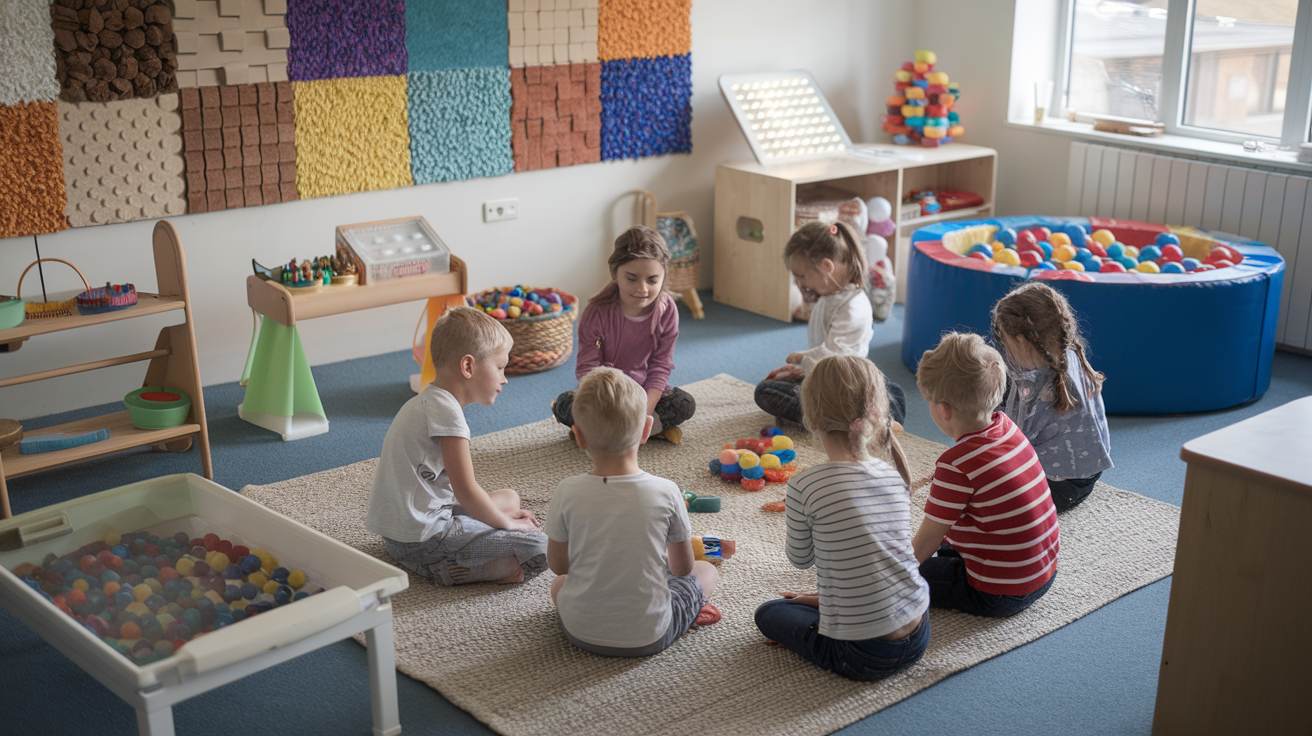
(1229, 153)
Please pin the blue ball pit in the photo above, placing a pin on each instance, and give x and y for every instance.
(1212, 335)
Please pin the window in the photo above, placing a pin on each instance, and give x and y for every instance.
(1218, 69)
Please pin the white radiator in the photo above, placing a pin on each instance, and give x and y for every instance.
(1268, 206)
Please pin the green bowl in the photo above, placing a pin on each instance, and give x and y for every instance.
(12, 312)
(152, 407)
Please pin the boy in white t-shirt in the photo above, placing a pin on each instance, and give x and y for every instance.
(434, 517)
(611, 530)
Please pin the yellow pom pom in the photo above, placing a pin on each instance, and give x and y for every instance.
(138, 608)
(914, 93)
(925, 56)
(940, 78)
(267, 560)
(215, 597)
(782, 443)
(516, 301)
(219, 561)
(770, 462)
(902, 75)
(184, 566)
(296, 579)
(113, 538)
(271, 587)
(748, 459)
(513, 311)
(81, 584)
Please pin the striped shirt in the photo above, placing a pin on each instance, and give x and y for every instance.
(991, 489)
(853, 522)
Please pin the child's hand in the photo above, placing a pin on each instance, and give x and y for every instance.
(524, 515)
(809, 599)
(786, 373)
(794, 358)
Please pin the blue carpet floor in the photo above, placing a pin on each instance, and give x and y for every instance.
(1095, 676)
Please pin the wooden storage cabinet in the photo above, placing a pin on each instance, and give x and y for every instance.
(755, 208)
(173, 364)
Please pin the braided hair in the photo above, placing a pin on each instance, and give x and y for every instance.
(1041, 316)
(816, 241)
(847, 395)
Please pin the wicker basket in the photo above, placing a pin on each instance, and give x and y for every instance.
(679, 233)
(542, 342)
(50, 310)
(685, 273)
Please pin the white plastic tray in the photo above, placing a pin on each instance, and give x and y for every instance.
(358, 600)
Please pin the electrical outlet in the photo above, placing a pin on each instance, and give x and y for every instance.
(500, 209)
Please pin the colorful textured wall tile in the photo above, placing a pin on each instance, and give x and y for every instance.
(633, 29)
(552, 32)
(352, 135)
(246, 44)
(334, 39)
(646, 107)
(122, 160)
(459, 124)
(239, 144)
(113, 50)
(555, 117)
(455, 34)
(31, 170)
(27, 53)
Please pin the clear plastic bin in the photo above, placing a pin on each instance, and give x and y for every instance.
(393, 249)
(357, 598)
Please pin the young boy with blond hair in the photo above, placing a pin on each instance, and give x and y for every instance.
(989, 505)
(619, 538)
(434, 517)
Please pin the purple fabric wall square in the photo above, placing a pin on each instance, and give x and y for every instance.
(646, 107)
(332, 39)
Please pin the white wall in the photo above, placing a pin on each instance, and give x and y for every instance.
(568, 216)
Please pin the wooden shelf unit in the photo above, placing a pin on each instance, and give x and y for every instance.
(749, 197)
(173, 364)
(286, 305)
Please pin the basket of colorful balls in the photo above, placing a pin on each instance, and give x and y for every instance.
(540, 320)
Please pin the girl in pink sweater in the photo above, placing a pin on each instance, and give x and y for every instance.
(632, 325)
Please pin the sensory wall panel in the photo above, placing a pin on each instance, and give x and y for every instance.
(117, 110)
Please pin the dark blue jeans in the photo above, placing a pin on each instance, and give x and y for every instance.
(798, 627)
(784, 399)
(949, 588)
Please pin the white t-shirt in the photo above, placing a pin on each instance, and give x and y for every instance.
(840, 324)
(617, 528)
(412, 498)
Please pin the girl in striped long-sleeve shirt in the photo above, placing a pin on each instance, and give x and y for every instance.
(851, 519)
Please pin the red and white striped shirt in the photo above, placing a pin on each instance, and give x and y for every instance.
(990, 487)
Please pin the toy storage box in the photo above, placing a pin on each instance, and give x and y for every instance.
(357, 598)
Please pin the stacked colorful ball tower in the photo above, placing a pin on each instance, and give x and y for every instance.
(922, 108)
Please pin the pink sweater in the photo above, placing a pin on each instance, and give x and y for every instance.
(642, 347)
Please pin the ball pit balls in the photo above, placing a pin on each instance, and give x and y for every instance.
(1063, 253)
(1150, 253)
(162, 595)
(518, 302)
(1115, 250)
(1191, 264)
(1059, 239)
(1172, 252)
(1147, 267)
(1047, 266)
(1104, 237)
(1073, 265)
(1007, 256)
(1172, 267)
(1167, 239)
(1111, 267)
(1006, 236)
(1046, 247)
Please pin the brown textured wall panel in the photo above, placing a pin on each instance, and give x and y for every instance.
(232, 160)
(113, 49)
(555, 115)
(32, 196)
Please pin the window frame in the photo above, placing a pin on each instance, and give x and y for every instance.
(1296, 128)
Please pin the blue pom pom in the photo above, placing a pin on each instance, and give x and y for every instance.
(785, 456)
(715, 466)
(730, 469)
(752, 473)
(1046, 266)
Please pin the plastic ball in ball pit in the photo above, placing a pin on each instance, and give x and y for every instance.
(1218, 297)
(180, 597)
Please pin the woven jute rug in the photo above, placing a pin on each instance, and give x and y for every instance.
(497, 651)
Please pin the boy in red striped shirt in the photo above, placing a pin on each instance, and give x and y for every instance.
(988, 543)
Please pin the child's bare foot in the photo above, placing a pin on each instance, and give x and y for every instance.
(515, 577)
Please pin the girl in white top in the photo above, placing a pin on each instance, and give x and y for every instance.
(828, 263)
(851, 519)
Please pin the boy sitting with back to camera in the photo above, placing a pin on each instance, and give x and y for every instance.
(988, 504)
(611, 531)
(434, 517)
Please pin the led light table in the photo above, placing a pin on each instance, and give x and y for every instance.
(356, 599)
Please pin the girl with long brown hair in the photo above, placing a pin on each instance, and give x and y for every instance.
(632, 324)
